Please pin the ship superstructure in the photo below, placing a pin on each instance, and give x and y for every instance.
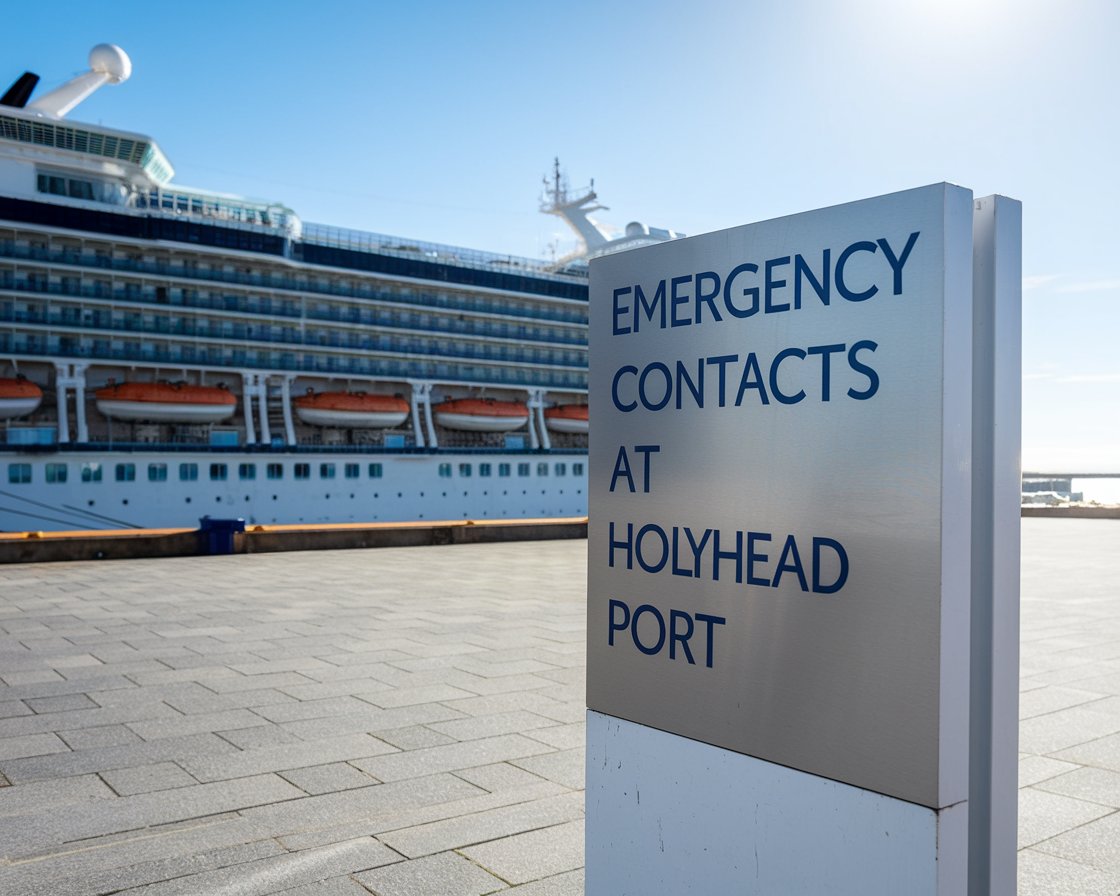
(168, 353)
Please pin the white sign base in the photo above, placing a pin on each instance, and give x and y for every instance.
(667, 814)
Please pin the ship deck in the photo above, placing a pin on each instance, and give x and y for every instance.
(410, 720)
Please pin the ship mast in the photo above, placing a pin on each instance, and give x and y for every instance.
(559, 200)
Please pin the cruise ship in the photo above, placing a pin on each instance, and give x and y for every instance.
(169, 354)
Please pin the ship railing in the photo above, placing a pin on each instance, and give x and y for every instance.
(303, 285)
(505, 353)
(305, 364)
(119, 447)
(383, 244)
(359, 317)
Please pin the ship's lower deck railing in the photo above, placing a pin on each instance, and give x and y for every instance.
(183, 448)
(33, 347)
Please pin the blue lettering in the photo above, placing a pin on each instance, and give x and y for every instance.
(790, 561)
(778, 359)
(751, 379)
(640, 304)
(644, 396)
(678, 300)
(754, 556)
(696, 388)
(627, 545)
(706, 298)
(664, 539)
(646, 451)
(750, 291)
(613, 626)
(841, 555)
(841, 286)
(622, 468)
(897, 263)
(675, 636)
(822, 287)
(656, 648)
(620, 311)
(826, 352)
(772, 284)
(625, 408)
(722, 361)
(859, 367)
(711, 621)
(736, 555)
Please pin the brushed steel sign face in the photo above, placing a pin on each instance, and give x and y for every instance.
(779, 535)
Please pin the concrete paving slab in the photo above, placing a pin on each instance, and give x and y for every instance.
(271, 674)
(448, 874)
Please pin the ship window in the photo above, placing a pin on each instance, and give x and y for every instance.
(275, 471)
(375, 471)
(353, 471)
(157, 472)
(503, 469)
(561, 469)
(81, 189)
(91, 472)
(445, 470)
(246, 471)
(542, 468)
(464, 469)
(522, 469)
(188, 472)
(219, 471)
(326, 471)
(19, 473)
(577, 469)
(484, 469)
(303, 471)
(49, 183)
(126, 472)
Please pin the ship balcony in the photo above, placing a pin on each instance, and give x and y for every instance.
(208, 355)
(457, 330)
(310, 285)
(84, 321)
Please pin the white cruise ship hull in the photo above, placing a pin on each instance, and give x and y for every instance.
(337, 488)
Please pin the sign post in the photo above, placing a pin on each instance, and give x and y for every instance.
(781, 555)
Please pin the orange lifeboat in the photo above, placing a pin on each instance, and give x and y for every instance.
(566, 418)
(18, 397)
(351, 409)
(166, 402)
(481, 415)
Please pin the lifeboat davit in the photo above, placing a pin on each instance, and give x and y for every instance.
(18, 397)
(351, 409)
(481, 415)
(566, 418)
(166, 402)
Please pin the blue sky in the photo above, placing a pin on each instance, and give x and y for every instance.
(437, 121)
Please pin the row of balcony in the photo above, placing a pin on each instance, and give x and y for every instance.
(358, 288)
(287, 308)
(224, 355)
(217, 330)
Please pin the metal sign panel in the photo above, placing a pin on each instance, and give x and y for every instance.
(780, 494)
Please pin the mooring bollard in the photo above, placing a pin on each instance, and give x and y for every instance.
(216, 536)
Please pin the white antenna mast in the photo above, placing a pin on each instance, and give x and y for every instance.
(108, 64)
(573, 209)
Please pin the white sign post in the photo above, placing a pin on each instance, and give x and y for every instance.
(781, 555)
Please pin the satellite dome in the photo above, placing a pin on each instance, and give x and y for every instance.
(111, 60)
(636, 228)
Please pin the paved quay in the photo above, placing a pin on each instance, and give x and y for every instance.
(410, 721)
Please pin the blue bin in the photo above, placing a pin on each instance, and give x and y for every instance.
(216, 536)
